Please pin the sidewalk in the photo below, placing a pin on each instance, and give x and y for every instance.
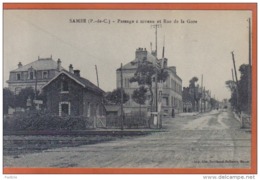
(102, 132)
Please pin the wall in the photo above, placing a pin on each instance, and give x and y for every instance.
(74, 96)
(79, 98)
(24, 82)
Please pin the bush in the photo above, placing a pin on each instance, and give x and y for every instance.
(135, 120)
(34, 120)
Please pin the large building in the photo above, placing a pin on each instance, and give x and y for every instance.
(171, 88)
(34, 74)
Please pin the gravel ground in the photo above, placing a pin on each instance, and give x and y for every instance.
(209, 140)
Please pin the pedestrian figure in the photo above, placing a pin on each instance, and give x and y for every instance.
(173, 114)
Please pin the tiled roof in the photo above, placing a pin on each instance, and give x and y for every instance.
(40, 64)
(80, 80)
(87, 83)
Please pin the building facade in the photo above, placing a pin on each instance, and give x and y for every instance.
(68, 94)
(34, 74)
(171, 96)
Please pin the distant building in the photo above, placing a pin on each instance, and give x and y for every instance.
(171, 88)
(70, 94)
(34, 74)
(187, 100)
(196, 99)
(113, 110)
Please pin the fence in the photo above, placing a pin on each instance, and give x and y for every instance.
(129, 121)
(43, 121)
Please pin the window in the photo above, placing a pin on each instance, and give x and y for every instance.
(165, 101)
(31, 75)
(18, 76)
(64, 108)
(64, 86)
(45, 75)
(89, 110)
(17, 90)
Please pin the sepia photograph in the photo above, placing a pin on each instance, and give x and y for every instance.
(163, 88)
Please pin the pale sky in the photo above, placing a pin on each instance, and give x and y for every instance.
(194, 48)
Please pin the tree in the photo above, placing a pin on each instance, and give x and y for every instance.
(145, 73)
(194, 92)
(213, 103)
(114, 97)
(23, 96)
(244, 89)
(8, 99)
(139, 96)
(231, 85)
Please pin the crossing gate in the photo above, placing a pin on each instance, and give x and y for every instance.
(100, 121)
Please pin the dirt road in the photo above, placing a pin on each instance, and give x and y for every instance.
(209, 140)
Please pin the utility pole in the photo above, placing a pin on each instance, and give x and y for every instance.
(97, 75)
(122, 96)
(35, 89)
(232, 75)
(250, 66)
(249, 41)
(156, 26)
(234, 63)
(201, 93)
(204, 100)
(233, 57)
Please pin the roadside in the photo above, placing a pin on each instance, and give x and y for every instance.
(210, 140)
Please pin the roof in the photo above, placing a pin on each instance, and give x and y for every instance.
(112, 108)
(80, 80)
(170, 68)
(40, 64)
(133, 64)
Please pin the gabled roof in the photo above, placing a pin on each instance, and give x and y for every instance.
(40, 64)
(80, 80)
(133, 64)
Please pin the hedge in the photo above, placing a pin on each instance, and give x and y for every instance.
(44, 121)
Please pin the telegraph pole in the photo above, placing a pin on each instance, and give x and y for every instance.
(250, 66)
(249, 41)
(204, 99)
(233, 57)
(232, 75)
(122, 96)
(201, 93)
(97, 75)
(35, 97)
(156, 26)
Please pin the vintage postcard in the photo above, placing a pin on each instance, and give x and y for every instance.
(129, 88)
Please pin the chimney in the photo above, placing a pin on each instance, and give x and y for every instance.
(20, 65)
(71, 68)
(59, 65)
(141, 54)
(77, 73)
